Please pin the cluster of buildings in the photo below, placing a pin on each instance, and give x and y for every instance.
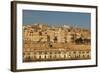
(42, 42)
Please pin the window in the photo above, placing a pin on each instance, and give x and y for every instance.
(87, 52)
(39, 57)
(74, 52)
(79, 52)
(83, 52)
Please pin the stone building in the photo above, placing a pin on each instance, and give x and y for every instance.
(45, 43)
(45, 53)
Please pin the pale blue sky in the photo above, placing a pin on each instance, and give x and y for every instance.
(55, 17)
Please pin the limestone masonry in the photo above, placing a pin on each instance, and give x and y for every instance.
(42, 42)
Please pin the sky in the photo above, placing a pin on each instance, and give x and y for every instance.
(78, 19)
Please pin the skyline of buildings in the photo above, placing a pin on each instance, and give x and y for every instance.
(42, 42)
